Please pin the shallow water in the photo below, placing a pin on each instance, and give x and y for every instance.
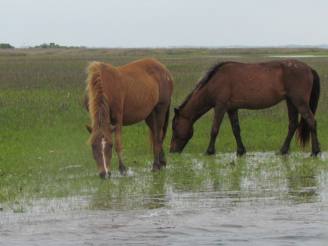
(261, 199)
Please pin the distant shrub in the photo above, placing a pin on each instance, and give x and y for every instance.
(48, 46)
(6, 46)
(54, 46)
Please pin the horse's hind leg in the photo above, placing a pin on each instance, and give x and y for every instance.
(308, 116)
(292, 126)
(151, 122)
(234, 121)
(314, 141)
(219, 111)
(155, 121)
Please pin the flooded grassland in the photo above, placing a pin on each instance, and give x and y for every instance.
(258, 199)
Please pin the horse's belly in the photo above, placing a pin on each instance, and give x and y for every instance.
(138, 106)
(261, 103)
(133, 115)
(264, 98)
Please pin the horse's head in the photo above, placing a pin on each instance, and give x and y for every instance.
(182, 131)
(101, 150)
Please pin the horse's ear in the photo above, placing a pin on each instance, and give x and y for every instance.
(176, 111)
(89, 129)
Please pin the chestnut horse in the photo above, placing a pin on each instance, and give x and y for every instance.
(125, 95)
(229, 86)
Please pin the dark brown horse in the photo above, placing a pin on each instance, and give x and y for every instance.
(125, 95)
(229, 86)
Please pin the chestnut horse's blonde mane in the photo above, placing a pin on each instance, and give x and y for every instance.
(98, 103)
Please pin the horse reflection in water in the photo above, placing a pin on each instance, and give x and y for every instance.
(125, 95)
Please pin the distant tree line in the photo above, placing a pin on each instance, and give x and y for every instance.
(52, 46)
(43, 46)
(48, 46)
(6, 46)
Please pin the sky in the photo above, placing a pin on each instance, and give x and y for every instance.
(164, 23)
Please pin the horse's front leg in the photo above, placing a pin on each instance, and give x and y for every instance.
(119, 147)
(219, 111)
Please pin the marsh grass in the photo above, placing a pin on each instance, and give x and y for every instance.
(43, 149)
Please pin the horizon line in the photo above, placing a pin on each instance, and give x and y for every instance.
(319, 46)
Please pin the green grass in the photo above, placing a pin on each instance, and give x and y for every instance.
(43, 149)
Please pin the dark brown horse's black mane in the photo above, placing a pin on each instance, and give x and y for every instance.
(209, 74)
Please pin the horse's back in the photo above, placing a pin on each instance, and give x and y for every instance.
(143, 67)
(259, 85)
(298, 77)
(147, 75)
(147, 83)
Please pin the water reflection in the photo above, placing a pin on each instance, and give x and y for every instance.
(128, 193)
(256, 176)
(301, 176)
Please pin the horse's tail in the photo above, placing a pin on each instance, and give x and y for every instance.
(97, 102)
(303, 132)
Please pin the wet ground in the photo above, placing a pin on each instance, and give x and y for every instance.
(261, 199)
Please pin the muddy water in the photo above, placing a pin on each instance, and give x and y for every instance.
(262, 199)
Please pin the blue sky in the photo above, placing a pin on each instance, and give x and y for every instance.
(164, 23)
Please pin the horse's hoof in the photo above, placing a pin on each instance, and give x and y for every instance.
(241, 152)
(210, 151)
(123, 170)
(104, 175)
(163, 163)
(156, 167)
(283, 151)
(315, 153)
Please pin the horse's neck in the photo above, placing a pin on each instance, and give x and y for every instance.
(198, 104)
